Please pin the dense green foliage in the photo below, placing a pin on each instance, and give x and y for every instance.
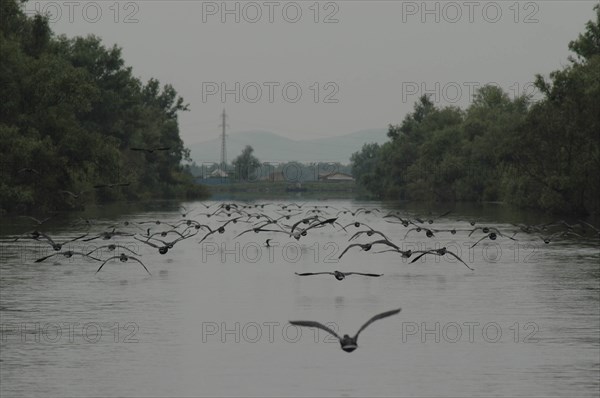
(245, 164)
(70, 112)
(542, 155)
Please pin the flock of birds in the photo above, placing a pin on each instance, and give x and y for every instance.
(292, 221)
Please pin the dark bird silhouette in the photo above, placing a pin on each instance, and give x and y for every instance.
(304, 221)
(367, 246)
(404, 222)
(57, 246)
(186, 211)
(338, 274)
(66, 254)
(485, 230)
(560, 234)
(151, 150)
(112, 247)
(348, 343)
(365, 210)
(157, 222)
(356, 224)
(585, 224)
(191, 224)
(428, 232)
(369, 232)
(123, 258)
(491, 236)
(431, 220)
(261, 229)
(28, 170)
(108, 235)
(166, 245)
(221, 229)
(71, 194)
(38, 222)
(439, 252)
(35, 234)
(330, 221)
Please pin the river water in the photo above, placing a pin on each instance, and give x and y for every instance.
(212, 319)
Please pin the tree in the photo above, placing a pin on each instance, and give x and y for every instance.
(544, 155)
(245, 164)
(559, 143)
(70, 112)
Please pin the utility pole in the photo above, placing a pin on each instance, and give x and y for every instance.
(223, 143)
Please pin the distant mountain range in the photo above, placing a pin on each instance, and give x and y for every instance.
(271, 147)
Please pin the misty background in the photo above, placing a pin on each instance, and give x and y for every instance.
(374, 54)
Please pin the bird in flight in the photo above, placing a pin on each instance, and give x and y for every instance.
(367, 246)
(29, 170)
(71, 194)
(492, 236)
(38, 222)
(369, 232)
(123, 258)
(58, 246)
(112, 247)
(338, 274)
(108, 235)
(439, 252)
(151, 150)
(67, 254)
(348, 343)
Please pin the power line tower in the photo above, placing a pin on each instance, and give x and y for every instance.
(223, 142)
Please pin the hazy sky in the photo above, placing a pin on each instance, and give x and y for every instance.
(342, 66)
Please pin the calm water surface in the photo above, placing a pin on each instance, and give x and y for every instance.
(212, 318)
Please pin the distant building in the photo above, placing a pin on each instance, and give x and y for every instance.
(219, 173)
(335, 177)
(215, 177)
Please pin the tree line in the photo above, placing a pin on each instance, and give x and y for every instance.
(77, 126)
(534, 154)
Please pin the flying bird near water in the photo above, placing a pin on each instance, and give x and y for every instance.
(369, 232)
(72, 194)
(439, 252)
(367, 246)
(123, 258)
(66, 254)
(57, 246)
(338, 274)
(38, 222)
(28, 170)
(112, 247)
(348, 343)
